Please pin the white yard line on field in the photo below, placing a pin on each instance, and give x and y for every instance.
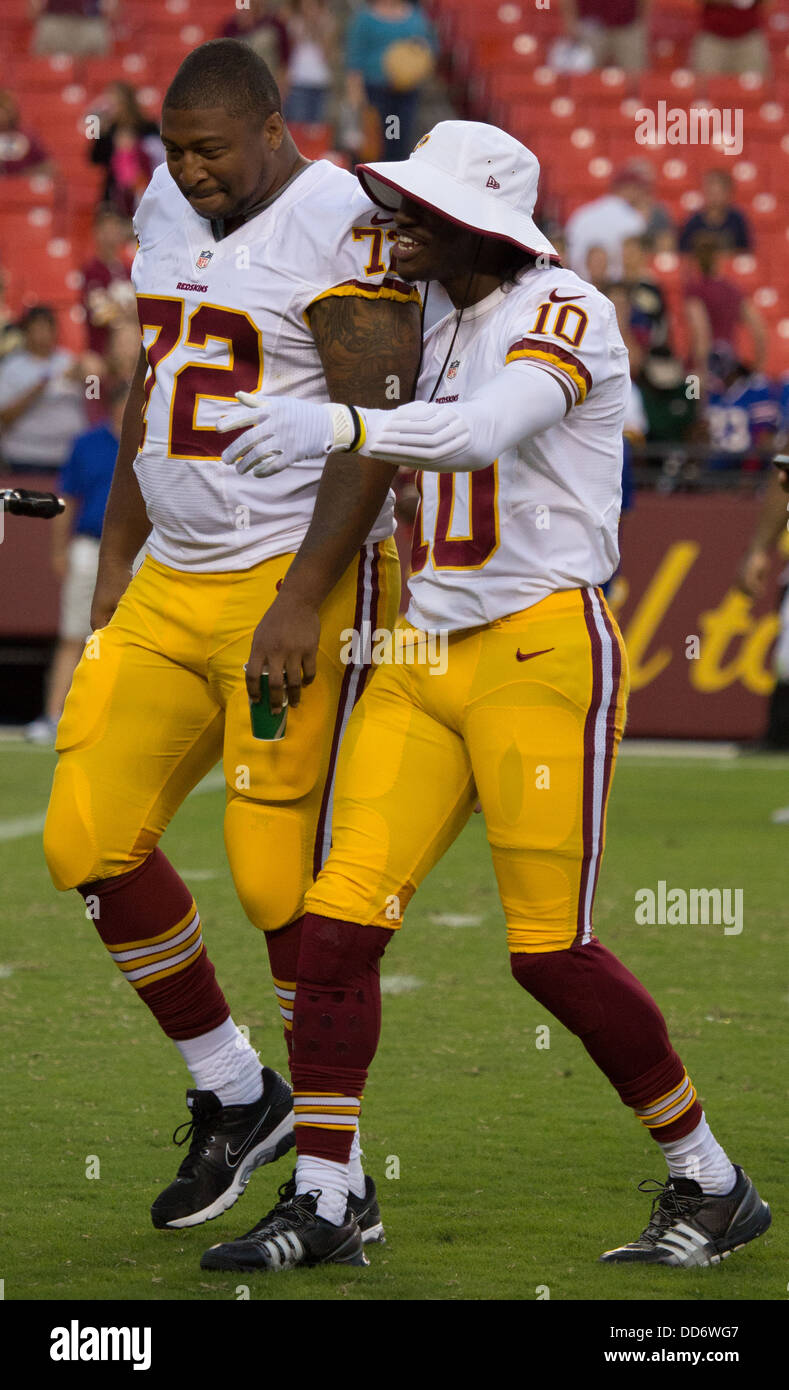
(18, 827)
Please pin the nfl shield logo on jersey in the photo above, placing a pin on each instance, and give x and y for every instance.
(453, 369)
(203, 259)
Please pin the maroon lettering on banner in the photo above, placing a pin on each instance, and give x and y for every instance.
(679, 560)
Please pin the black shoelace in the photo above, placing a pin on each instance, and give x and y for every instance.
(668, 1205)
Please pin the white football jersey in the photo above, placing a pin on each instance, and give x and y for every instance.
(545, 515)
(232, 315)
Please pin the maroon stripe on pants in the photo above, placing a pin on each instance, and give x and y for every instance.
(317, 849)
(589, 756)
(610, 729)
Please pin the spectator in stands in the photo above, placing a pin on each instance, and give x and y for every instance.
(389, 56)
(615, 30)
(606, 222)
(42, 397)
(730, 38)
(107, 291)
(717, 217)
(123, 349)
(263, 31)
(128, 146)
(640, 304)
(84, 484)
(21, 152)
(635, 182)
(716, 309)
(597, 272)
(313, 34)
(79, 27)
(741, 414)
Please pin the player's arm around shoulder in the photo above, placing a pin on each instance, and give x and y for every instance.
(369, 345)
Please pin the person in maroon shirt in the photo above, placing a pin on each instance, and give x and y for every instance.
(264, 32)
(731, 38)
(716, 308)
(615, 30)
(20, 151)
(107, 291)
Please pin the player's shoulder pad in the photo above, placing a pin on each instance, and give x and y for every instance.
(560, 323)
(161, 204)
(346, 235)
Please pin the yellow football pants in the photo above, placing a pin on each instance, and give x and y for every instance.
(159, 697)
(527, 715)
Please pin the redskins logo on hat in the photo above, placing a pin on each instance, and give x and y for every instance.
(421, 142)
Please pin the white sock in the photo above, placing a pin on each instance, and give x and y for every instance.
(356, 1181)
(331, 1179)
(699, 1156)
(223, 1061)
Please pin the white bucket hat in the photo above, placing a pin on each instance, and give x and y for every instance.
(474, 175)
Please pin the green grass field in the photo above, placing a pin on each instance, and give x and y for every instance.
(517, 1165)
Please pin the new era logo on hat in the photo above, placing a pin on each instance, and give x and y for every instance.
(454, 170)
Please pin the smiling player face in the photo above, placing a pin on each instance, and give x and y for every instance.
(429, 247)
(222, 164)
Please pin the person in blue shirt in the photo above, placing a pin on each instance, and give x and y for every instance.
(718, 217)
(741, 415)
(387, 74)
(84, 483)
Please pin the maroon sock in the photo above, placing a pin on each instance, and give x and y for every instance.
(336, 1026)
(148, 921)
(621, 1027)
(283, 953)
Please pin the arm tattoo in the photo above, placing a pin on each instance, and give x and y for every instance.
(363, 344)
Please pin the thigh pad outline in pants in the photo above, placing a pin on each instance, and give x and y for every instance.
(543, 740)
(404, 792)
(280, 795)
(138, 732)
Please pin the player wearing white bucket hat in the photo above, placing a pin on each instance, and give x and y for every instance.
(518, 430)
(475, 175)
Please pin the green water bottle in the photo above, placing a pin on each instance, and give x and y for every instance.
(266, 725)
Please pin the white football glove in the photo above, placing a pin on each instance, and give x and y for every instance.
(282, 430)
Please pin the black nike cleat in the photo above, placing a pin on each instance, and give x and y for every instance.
(291, 1234)
(688, 1227)
(228, 1143)
(365, 1209)
(367, 1213)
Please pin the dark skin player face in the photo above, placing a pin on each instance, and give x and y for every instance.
(223, 164)
(429, 247)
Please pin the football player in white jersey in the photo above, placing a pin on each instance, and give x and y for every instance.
(518, 428)
(256, 269)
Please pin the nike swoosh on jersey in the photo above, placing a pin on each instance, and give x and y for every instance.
(564, 298)
(378, 221)
(233, 1156)
(527, 656)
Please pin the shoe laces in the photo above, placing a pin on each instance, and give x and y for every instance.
(195, 1128)
(668, 1206)
(289, 1210)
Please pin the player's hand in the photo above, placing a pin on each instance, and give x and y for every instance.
(277, 431)
(112, 582)
(753, 572)
(285, 645)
